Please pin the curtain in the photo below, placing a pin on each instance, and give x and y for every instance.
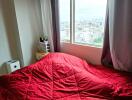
(55, 20)
(117, 50)
(106, 56)
(50, 22)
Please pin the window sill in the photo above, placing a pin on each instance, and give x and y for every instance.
(81, 44)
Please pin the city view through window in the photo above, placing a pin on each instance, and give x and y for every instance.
(89, 21)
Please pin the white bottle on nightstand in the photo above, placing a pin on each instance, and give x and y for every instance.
(12, 65)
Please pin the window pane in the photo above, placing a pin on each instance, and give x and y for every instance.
(64, 9)
(89, 21)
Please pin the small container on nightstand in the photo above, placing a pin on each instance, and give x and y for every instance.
(43, 47)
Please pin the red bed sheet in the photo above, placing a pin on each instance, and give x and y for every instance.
(60, 76)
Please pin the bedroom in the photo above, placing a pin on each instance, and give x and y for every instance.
(23, 21)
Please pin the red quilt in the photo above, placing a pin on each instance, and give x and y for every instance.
(60, 76)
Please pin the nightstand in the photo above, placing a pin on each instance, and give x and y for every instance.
(40, 55)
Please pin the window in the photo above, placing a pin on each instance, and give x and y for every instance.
(82, 21)
(64, 7)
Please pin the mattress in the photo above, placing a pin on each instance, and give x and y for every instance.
(60, 76)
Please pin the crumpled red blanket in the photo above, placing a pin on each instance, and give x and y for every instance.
(60, 76)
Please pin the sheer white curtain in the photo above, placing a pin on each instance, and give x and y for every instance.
(47, 21)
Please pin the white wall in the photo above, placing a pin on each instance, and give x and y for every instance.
(8, 45)
(20, 26)
(30, 26)
(90, 54)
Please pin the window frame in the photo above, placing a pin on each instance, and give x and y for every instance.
(72, 28)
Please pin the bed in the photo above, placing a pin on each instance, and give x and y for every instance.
(60, 76)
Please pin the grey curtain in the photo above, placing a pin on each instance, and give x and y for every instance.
(55, 21)
(117, 50)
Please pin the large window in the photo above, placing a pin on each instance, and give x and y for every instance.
(64, 7)
(82, 21)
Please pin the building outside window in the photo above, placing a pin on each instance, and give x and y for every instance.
(82, 21)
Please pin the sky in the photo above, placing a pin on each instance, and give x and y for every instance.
(84, 8)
